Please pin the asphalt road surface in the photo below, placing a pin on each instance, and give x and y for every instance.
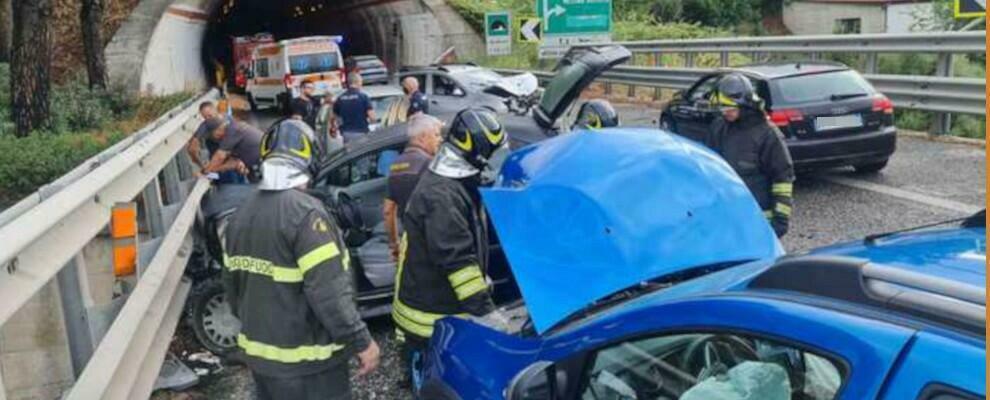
(926, 181)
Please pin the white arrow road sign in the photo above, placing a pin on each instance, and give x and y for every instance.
(530, 30)
(558, 10)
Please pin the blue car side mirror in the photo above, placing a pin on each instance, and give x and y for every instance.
(534, 382)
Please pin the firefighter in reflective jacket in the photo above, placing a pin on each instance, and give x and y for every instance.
(286, 275)
(444, 249)
(754, 148)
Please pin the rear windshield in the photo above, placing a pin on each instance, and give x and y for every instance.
(314, 63)
(819, 87)
(563, 81)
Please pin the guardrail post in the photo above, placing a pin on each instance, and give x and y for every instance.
(153, 208)
(871, 63)
(184, 165)
(943, 121)
(173, 189)
(3, 392)
(657, 59)
(815, 55)
(724, 59)
(71, 290)
(689, 60)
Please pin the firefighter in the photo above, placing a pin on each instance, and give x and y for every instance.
(596, 114)
(444, 248)
(287, 277)
(754, 148)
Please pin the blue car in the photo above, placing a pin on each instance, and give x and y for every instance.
(648, 272)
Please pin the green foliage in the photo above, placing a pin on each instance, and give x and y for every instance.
(27, 163)
(82, 124)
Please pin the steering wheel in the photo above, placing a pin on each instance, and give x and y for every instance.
(710, 355)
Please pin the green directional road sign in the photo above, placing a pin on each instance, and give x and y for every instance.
(575, 17)
(498, 33)
(970, 8)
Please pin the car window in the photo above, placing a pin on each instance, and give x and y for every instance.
(710, 366)
(444, 86)
(703, 90)
(314, 63)
(819, 87)
(369, 166)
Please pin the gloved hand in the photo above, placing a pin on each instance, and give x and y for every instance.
(495, 320)
(780, 226)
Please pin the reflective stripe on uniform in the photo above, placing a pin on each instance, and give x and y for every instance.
(783, 209)
(419, 323)
(467, 281)
(287, 355)
(263, 267)
(317, 256)
(783, 189)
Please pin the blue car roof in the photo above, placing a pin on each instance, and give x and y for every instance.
(954, 254)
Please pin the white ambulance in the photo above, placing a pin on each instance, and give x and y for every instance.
(277, 70)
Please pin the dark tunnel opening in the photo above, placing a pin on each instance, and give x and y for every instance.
(285, 19)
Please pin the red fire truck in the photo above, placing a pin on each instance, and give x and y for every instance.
(243, 48)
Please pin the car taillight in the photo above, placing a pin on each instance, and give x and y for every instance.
(784, 117)
(287, 80)
(882, 103)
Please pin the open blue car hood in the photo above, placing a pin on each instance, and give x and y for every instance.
(587, 214)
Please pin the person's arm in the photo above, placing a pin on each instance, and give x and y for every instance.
(390, 212)
(323, 262)
(777, 164)
(452, 246)
(193, 149)
(370, 109)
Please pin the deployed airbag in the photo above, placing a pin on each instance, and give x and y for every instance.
(750, 380)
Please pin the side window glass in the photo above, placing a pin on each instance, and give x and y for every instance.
(703, 90)
(371, 166)
(340, 177)
(261, 67)
(710, 366)
(444, 86)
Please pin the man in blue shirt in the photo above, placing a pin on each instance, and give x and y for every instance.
(417, 100)
(354, 110)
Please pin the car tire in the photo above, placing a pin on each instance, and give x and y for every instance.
(210, 317)
(667, 123)
(871, 168)
(252, 103)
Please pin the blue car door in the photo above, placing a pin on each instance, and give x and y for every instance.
(940, 367)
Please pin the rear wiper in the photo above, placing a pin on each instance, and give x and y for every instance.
(973, 221)
(843, 96)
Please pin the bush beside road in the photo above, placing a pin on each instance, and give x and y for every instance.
(83, 123)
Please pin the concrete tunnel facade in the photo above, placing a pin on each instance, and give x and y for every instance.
(166, 46)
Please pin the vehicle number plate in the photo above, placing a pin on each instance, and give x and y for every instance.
(838, 122)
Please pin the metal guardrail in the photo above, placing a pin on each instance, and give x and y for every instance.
(42, 238)
(928, 93)
(928, 42)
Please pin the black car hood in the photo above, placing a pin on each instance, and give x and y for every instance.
(575, 71)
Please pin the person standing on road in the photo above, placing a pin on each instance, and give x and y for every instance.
(417, 99)
(354, 109)
(444, 249)
(754, 148)
(287, 277)
(238, 147)
(404, 173)
(306, 104)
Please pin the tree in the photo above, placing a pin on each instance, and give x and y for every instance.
(6, 24)
(91, 21)
(30, 64)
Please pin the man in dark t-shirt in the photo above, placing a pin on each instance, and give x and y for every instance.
(306, 105)
(239, 147)
(354, 109)
(424, 140)
(417, 99)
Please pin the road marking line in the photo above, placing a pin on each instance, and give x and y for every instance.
(903, 194)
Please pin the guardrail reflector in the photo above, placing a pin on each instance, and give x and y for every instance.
(123, 230)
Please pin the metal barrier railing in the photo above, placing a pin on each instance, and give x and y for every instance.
(43, 236)
(942, 93)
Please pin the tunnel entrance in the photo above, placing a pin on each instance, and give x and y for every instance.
(366, 27)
